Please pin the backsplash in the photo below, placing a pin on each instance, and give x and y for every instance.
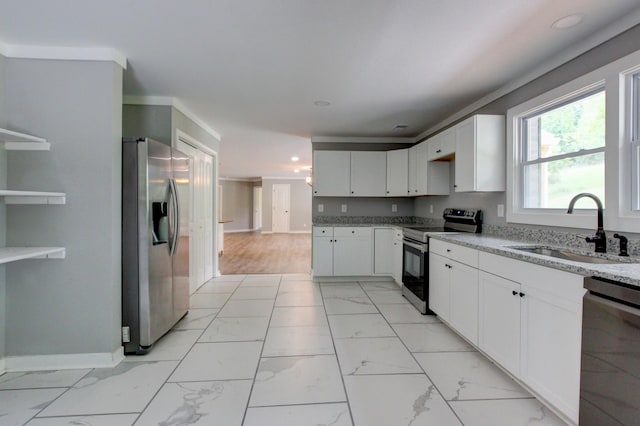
(559, 238)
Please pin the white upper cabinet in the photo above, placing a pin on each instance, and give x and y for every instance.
(480, 154)
(331, 173)
(397, 173)
(426, 177)
(442, 145)
(368, 173)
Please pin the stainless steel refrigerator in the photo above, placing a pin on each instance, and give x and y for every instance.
(155, 241)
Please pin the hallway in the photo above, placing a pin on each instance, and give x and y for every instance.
(257, 253)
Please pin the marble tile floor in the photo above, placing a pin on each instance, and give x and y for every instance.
(262, 350)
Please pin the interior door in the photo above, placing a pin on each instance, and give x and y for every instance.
(201, 218)
(281, 204)
(257, 208)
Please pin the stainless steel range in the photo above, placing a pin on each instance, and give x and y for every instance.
(415, 258)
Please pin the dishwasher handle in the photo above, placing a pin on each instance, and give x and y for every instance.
(613, 290)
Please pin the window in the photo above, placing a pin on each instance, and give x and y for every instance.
(563, 152)
(635, 139)
(583, 136)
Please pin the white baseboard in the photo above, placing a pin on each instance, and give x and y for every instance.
(267, 232)
(369, 278)
(63, 361)
(231, 231)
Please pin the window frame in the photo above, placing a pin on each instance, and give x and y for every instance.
(615, 78)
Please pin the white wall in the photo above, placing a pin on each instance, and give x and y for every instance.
(3, 219)
(70, 306)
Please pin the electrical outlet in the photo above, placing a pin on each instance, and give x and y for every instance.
(500, 210)
(126, 334)
(430, 208)
(394, 208)
(320, 208)
(343, 209)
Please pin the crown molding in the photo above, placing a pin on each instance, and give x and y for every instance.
(23, 51)
(357, 139)
(173, 102)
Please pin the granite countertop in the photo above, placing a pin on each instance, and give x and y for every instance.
(628, 272)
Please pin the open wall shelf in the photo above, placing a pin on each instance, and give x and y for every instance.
(32, 197)
(12, 254)
(14, 141)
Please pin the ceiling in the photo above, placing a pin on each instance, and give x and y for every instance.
(252, 69)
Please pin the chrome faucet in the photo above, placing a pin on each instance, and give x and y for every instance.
(600, 239)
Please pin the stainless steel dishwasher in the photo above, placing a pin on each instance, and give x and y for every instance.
(610, 370)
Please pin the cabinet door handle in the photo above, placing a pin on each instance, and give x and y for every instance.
(352, 192)
(455, 186)
(515, 293)
(387, 192)
(521, 294)
(439, 150)
(448, 250)
(315, 192)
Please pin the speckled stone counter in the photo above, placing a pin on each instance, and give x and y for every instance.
(628, 272)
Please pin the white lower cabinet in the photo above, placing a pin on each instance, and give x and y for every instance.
(342, 251)
(453, 294)
(439, 288)
(464, 300)
(530, 323)
(499, 320)
(383, 258)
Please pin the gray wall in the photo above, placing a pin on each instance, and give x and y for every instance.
(300, 220)
(237, 204)
(609, 51)
(3, 218)
(363, 206)
(71, 305)
(151, 121)
(160, 122)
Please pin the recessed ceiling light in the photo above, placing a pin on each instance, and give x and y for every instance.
(322, 103)
(296, 171)
(294, 158)
(567, 21)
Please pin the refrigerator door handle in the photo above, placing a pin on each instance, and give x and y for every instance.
(176, 217)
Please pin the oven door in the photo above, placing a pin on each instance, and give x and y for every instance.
(415, 277)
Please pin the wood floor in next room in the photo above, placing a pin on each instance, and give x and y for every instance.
(258, 253)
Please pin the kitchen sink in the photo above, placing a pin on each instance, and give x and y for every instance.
(567, 254)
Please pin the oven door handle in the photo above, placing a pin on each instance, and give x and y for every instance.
(418, 247)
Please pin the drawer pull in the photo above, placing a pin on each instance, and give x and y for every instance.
(515, 293)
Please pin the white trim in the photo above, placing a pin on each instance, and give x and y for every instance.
(177, 104)
(63, 53)
(300, 232)
(342, 139)
(628, 21)
(64, 361)
(266, 232)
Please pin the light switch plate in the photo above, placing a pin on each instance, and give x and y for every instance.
(343, 209)
(394, 208)
(320, 208)
(500, 210)
(430, 208)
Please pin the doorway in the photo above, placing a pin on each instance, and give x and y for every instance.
(202, 217)
(257, 208)
(281, 203)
